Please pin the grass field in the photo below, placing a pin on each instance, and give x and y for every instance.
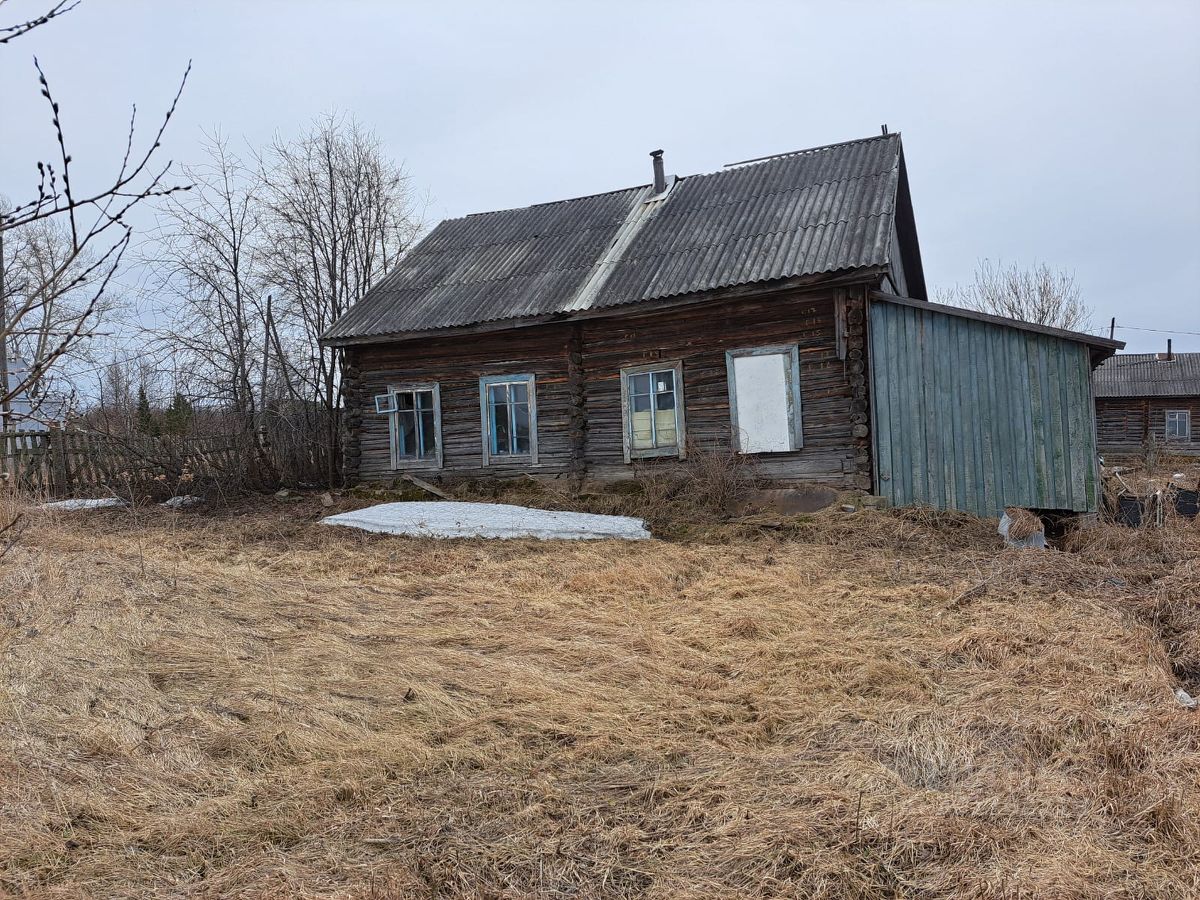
(245, 703)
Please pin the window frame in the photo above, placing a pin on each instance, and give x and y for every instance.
(398, 462)
(1186, 438)
(530, 382)
(680, 449)
(794, 400)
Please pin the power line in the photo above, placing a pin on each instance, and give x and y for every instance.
(1157, 330)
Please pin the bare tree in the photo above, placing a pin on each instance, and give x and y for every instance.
(338, 216)
(1040, 295)
(95, 237)
(207, 255)
(50, 287)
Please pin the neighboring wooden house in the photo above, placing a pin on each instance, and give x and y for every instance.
(776, 308)
(1144, 398)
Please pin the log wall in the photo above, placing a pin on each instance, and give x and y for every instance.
(577, 366)
(1124, 424)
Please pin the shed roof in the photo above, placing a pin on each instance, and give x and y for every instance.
(825, 210)
(1145, 375)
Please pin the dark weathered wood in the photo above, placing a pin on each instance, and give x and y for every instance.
(1125, 424)
(577, 365)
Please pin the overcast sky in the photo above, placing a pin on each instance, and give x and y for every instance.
(1054, 131)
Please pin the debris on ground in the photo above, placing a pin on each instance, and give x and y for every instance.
(489, 520)
(80, 503)
(1022, 529)
(184, 501)
(282, 495)
(1185, 699)
(327, 499)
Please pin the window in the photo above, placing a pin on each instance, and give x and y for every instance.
(509, 407)
(414, 424)
(652, 410)
(1179, 425)
(764, 399)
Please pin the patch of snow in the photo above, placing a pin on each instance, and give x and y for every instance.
(489, 520)
(78, 503)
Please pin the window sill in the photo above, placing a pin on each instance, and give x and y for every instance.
(431, 465)
(659, 453)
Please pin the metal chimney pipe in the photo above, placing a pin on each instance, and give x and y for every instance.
(660, 177)
(1170, 355)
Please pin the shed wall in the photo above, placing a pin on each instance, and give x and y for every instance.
(976, 416)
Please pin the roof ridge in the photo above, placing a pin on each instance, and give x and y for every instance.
(787, 153)
(640, 187)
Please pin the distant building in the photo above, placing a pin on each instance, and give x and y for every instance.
(1148, 396)
(32, 414)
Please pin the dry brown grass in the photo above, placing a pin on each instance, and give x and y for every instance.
(856, 706)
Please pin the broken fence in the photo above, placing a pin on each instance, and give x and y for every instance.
(62, 462)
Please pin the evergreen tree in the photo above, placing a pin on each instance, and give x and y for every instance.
(178, 417)
(146, 422)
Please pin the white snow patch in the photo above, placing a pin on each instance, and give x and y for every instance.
(78, 503)
(489, 520)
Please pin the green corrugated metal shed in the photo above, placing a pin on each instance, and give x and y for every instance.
(975, 412)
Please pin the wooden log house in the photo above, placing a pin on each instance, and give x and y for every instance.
(738, 311)
(1145, 399)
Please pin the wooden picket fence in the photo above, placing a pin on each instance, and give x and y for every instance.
(62, 462)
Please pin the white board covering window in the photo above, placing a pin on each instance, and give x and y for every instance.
(414, 414)
(652, 410)
(508, 406)
(764, 399)
(1179, 425)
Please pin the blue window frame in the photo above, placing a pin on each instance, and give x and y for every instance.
(508, 408)
(414, 414)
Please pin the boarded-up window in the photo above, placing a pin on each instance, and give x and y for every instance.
(764, 399)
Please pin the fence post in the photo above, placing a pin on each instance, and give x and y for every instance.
(56, 446)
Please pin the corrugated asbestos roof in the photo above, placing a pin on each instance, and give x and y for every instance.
(1144, 375)
(805, 213)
